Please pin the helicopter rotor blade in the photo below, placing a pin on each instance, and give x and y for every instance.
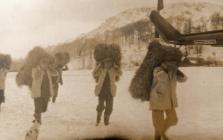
(160, 6)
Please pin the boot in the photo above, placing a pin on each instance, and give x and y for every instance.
(54, 99)
(37, 117)
(106, 119)
(165, 137)
(157, 136)
(98, 118)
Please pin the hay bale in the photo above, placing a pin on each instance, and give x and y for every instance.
(103, 51)
(35, 55)
(141, 83)
(163, 53)
(61, 59)
(5, 61)
(24, 76)
(172, 54)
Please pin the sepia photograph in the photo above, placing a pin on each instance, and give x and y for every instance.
(111, 70)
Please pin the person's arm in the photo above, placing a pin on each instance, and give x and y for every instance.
(55, 76)
(65, 68)
(59, 74)
(34, 73)
(181, 77)
(160, 80)
(118, 72)
(60, 78)
(97, 72)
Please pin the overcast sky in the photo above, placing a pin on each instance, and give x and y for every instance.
(27, 23)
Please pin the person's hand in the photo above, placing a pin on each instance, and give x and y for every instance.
(99, 65)
(61, 83)
(180, 73)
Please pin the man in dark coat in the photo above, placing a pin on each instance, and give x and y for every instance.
(106, 74)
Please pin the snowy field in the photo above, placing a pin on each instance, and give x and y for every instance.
(73, 116)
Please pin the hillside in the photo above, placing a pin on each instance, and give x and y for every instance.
(132, 30)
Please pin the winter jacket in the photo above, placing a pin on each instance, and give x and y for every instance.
(100, 74)
(163, 93)
(37, 77)
(3, 73)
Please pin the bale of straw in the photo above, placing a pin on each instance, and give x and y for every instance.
(35, 55)
(112, 51)
(24, 76)
(141, 83)
(62, 59)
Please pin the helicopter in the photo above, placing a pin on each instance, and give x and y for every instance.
(172, 36)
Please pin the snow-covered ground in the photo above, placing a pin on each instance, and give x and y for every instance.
(73, 116)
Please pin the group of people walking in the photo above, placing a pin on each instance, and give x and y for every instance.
(163, 100)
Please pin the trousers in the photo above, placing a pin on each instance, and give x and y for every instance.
(163, 120)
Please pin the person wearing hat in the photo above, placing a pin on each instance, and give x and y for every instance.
(106, 74)
(3, 73)
(42, 87)
(163, 100)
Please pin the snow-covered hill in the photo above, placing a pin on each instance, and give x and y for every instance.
(197, 12)
(122, 19)
(132, 30)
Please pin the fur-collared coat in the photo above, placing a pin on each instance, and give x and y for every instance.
(163, 93)
(37, 77)
(100, 73)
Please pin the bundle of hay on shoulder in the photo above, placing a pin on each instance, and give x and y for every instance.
(141, 83)
(5, 61)
(112, 51)
(62, 59)
(24, 76)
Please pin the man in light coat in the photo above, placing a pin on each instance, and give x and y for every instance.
(105, 74)
(163, 99)
(42, 87)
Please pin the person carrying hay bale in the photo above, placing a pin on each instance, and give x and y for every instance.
(155, 81)
(142, 81)
(103, 51)
(62, 59)
(106, 73)
(24, 76)
(42, 86)
(163, 100)
(5, 62)
(38, 73)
